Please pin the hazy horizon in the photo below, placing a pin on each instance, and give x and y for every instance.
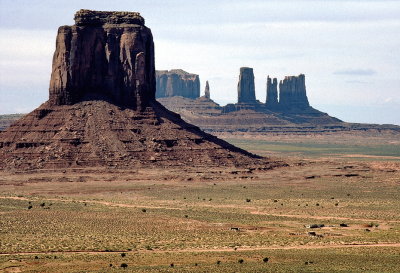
(348, 50)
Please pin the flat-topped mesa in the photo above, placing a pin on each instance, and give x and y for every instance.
(177, 82)
(207, 91)
(246, 89)
(85, 17)
(272, 93)
(292, 93)
(105, 55)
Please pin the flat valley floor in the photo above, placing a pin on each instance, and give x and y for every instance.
(324, 212)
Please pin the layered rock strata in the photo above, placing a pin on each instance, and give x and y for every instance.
(102, 110)
(177, 82)
(246, 89)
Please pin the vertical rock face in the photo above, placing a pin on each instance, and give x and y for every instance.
(292, 93)
(207, 91)
(246, 90)
(177, 82)
(108, 55)
(272, 93)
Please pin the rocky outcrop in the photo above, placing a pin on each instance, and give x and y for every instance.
(102, 110)
(107, 55)
(207, 91)
(246, 90)
(177, 82)
(272, 93)
(292, 93)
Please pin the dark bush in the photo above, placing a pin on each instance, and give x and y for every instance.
(124, 265)
(240, 261)
(265, 260)
(123, 254)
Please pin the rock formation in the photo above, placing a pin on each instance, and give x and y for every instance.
(207, 91)
(292, 93)
(106, 55)
(272, 93)
(177, 82)
(102, 109)
(246, 90)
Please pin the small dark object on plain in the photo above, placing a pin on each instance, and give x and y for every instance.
(171, 265)
(36, 257)
(30, 207)
(123, 254)
(312, 233)
(248, 200)
(218, 262)
(241, 261)
(265, 260)
(144, 210)
(344, 225)
(124, 265)
(43, 204)
(235, 228)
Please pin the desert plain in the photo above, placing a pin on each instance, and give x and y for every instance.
(332, 207)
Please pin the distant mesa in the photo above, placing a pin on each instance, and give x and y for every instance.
(177, 82)
(102, 110)
(286, 106)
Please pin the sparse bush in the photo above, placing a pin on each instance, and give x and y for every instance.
(30, 207)
(43, 204)
(124, 265)
(144, 210)
(240, 261)
(248, 200)
(123, 255)
(172, 265)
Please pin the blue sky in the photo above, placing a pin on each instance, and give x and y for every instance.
(348, 50)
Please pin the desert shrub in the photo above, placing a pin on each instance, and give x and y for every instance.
(172, 265)
(240, 261)
(144, 210)
(124, 265)
(248, 200)
(123, 255)
(218, 262)
(265, 260)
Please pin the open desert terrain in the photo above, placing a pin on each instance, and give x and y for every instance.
(323, 212)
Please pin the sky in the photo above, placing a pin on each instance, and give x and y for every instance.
(348, 50)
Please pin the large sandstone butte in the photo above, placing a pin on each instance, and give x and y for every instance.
(102, 109)
(177, 82)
